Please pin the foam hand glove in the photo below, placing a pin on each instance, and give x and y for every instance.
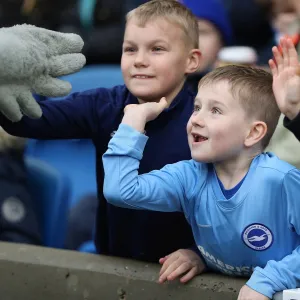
(30, 60)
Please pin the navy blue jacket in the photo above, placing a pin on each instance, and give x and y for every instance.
(293, 126)
(96, 114)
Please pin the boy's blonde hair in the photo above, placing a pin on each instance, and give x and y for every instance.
(172, 11)
(253, 88)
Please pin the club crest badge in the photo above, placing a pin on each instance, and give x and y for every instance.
(257, 237)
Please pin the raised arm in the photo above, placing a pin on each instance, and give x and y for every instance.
(80, 115)
(161, 190)
(286, 84)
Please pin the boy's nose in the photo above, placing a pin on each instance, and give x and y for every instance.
(197, 120)
(140, 60)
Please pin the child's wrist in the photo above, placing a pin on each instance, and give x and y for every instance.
(135, 121)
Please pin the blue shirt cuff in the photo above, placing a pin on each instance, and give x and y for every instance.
(262, 284)
(128, 137)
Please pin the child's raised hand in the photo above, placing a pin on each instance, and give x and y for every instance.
(137, 115)
(247, 293)
(286, 78)
(183, 262)
(149, 110)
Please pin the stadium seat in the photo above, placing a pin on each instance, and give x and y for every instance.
(88, 247)
(51, 193)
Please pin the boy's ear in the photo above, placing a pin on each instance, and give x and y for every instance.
(257, 133)
(193, 61)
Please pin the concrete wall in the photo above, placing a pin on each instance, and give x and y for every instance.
(35, 273)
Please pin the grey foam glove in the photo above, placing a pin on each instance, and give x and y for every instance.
(30, 60)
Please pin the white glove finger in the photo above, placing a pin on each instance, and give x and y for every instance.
(66, 64)
(58, 42)
(51, 87)
(28, 105)
(9, 107)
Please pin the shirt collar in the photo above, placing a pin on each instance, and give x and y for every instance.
(178, 100)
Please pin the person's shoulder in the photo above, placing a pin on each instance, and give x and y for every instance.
(116, 96)
(188, 169)
(271, 167)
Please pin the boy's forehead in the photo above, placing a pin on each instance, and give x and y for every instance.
(158, 28)
(215, 90)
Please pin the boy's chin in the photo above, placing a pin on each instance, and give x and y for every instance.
(143, 97)
(146, 93)
(202, 158)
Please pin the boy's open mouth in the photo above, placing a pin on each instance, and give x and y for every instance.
(197, 138)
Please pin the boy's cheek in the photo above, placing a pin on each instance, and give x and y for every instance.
(189, 126)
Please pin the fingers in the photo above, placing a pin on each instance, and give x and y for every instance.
(66, 64)
(285, 54)
(57, 42)
(167, 262)
(190, 275)
(163, 103)
(292, 53)
(278, 59)
(9, 107)
(28, 105)
(273, 67)
(168, 270)
(51, 87)
(180, 270)
(163, 259)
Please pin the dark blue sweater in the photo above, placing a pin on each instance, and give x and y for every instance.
(293, 126)
(96, 114)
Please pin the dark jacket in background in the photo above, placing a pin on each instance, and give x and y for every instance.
(43, 13)
(251, 27)
(18, 220)
(293, 126)
(101, 26)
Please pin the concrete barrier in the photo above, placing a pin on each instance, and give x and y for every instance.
(37, 273)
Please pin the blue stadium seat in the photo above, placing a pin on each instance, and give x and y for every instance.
(50, 191)
(94, 76)
(88, 247)
(73, 158)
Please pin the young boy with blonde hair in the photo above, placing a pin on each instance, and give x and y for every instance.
(243, 204)
(160, 49)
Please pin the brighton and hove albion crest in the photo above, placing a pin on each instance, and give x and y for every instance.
(257, 237)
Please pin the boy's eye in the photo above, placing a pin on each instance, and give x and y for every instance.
(157, 49)
(129, 49)
(196, 108)
(215, 110)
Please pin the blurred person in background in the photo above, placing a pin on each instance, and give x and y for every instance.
(18, 219)
(215, 32)
(11, 13)
(101, 25)
(285, 18)
(43, 13)
(251, 26)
